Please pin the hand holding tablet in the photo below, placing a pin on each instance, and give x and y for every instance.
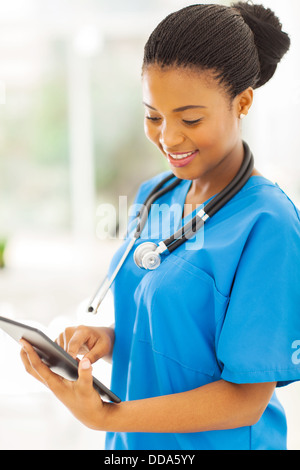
(52, 355)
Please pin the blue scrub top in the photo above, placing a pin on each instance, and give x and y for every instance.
(224, 305)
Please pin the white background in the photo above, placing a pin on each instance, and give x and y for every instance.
(49, 275)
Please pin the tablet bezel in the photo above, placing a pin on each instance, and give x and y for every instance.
(55, 357)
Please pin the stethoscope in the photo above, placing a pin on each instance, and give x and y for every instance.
(148, 254)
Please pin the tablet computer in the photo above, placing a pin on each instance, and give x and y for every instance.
(55, 357)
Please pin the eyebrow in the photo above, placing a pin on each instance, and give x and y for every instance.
(177, 110)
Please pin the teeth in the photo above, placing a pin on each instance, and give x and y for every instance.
(182, 156)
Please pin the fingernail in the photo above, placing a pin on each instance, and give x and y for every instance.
(85, 364)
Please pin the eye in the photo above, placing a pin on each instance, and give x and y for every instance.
(153, 119)
(192, 123)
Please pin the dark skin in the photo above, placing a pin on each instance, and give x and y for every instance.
(216, 137)
(214, 141)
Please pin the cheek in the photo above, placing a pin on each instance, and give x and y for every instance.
(151, 133)
(216, 132)
(205, 136)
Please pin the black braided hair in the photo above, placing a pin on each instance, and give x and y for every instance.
(241, 44)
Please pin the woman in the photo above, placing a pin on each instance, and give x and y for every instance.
(201, 343)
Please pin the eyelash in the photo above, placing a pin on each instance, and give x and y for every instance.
(188, 123)
(154, 119)
(191, 123)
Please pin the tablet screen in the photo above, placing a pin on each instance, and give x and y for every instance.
(55, 357)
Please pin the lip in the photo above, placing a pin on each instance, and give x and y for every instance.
(184, 161)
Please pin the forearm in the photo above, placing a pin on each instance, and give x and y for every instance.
(111, 334)
(216, 406)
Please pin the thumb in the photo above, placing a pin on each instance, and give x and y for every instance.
(85, 378)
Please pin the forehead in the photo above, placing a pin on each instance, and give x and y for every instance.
(177, 87)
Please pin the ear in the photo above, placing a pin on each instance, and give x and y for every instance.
(243, 102)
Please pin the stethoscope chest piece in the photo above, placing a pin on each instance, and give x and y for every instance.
(145, 256)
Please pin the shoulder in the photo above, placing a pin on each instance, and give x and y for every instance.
(261, 218)
(265, 202)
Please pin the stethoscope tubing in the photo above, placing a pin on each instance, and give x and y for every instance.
(155, 194)
(234, 186)
(212, 207)
(189, 229)
(107, 282)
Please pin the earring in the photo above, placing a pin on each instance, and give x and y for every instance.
(242, 116)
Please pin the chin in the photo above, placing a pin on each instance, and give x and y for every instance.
(187, 173)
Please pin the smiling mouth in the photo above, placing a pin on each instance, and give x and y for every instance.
(181, 159)
(181, 156)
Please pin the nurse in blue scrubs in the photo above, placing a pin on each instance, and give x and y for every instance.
(201, 343)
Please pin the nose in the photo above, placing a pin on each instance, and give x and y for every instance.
(170, 137)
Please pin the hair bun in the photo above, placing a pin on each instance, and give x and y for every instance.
(271, 42)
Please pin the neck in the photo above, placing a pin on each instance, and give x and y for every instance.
(216, 179)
